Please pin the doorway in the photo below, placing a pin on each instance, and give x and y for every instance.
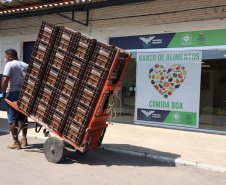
(27, 51)
(127, 93)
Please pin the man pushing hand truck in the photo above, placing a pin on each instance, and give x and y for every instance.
(12, 81)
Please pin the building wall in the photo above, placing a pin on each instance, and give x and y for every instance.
(133, 19)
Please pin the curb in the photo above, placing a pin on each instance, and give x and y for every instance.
(168, 160)
(149, 156)
(5, 131)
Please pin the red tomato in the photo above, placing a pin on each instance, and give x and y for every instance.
(169, 93)
(157, 88)
(157, 66)
(162, 78)
(177, 68)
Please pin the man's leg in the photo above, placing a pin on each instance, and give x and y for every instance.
(16, 143)
(24, 131)
(12, 127)
(24, 124)
(11, 113)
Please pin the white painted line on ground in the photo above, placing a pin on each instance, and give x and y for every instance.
(213, 168)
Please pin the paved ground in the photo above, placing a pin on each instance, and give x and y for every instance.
(182, 147)
(96, 167)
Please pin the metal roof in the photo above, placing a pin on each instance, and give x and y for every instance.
(15, 9)
(15, 6)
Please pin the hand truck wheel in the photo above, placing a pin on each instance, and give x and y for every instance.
(54, 149)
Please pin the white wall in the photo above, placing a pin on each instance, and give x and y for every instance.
(15, 42)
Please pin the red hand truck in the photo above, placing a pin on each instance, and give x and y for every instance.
(54, 147)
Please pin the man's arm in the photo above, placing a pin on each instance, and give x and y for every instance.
(5, 79)
(5, 82)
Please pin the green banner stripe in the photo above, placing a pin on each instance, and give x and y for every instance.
(181, 118)
(199, 38)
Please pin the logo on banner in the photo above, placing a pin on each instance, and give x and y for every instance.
(167, 81)
(188, 119)
(186, 39)
(176, 117)
(201, 39)
(147, 114)
(146, 41)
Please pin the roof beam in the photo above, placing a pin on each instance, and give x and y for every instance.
(72, 18)
(59, 9)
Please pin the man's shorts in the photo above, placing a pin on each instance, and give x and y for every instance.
(11, 112)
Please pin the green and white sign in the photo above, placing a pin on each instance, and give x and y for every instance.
(168, 88)
(172, 40)
(198, 38)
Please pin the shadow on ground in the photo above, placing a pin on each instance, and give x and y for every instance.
(34, 148)
(3, 133)
(141, 150)
(4, 124)
(110, 158)
(97, 157)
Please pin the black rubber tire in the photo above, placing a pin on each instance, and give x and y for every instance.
(54, 149)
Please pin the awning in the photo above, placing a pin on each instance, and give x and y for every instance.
(16, 9)
(18, 6)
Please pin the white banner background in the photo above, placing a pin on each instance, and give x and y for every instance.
(188, 93)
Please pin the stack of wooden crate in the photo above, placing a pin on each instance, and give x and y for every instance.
(66, 77)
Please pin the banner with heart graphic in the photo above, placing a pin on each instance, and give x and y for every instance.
(167, 81)
(168, 88)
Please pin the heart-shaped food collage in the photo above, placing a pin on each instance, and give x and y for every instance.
(166, 82)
